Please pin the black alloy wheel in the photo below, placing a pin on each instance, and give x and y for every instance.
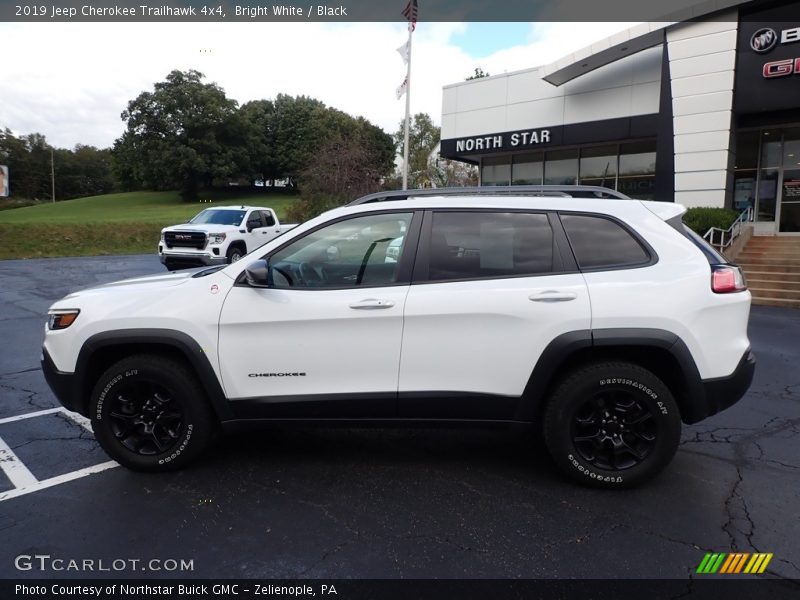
(611, 424)
(614, 431)
(145, 418)
(150, 413)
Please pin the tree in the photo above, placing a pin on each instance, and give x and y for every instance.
(300, 128)
(453, 173)
(423, 141)
(83, 171)
(259, 122)
(28, 161)
(479, 74)
(183, 134)
(351, 163)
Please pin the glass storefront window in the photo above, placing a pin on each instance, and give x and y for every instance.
(790, 188)
(599, 166)
(629, 168)
(746, 170)
(561, 167)
(496, 171)
(637, 170)
(527, 169)
(767, 190)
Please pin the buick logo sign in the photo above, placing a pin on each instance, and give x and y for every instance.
(763, 40)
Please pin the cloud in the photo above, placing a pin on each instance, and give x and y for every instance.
(71, 81)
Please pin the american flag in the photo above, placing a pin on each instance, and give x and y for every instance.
(410, 12)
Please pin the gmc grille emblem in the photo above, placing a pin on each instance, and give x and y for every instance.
(182, 236)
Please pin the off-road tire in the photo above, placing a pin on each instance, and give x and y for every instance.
(149, 413)
(619, 454)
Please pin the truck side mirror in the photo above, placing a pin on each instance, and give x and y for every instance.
(259, 274)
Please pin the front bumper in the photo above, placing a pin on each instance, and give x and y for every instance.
(724, 392)
(191, 259)
(64, 385)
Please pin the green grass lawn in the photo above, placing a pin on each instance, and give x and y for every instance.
(139, 207)
(127, 223)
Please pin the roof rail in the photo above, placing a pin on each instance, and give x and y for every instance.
(566, 191)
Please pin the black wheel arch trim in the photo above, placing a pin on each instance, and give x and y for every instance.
(75, 395)
(696, 398)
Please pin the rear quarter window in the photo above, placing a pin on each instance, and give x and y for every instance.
(601, 243)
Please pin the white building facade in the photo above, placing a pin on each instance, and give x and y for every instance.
(704, 112)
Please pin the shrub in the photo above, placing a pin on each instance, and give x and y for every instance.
(701, 219)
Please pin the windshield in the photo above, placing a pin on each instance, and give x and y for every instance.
(212, 216)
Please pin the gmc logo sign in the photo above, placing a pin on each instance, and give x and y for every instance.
(781, 68)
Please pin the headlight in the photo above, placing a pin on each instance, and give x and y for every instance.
(217, 238)
(162, 237)
(61, 319)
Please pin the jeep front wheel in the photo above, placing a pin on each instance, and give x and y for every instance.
(612, 425)
(150, 414)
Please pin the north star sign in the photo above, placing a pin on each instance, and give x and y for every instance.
(514, 140)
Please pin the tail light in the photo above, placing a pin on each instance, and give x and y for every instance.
(726, 279)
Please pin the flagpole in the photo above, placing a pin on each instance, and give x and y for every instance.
(408, 110)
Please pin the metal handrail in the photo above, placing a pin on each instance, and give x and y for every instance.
(732, 232)
(565, 191)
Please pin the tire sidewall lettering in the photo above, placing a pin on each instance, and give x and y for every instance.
(634, 384)
(109, 386)
(587, 472)
(180, 448)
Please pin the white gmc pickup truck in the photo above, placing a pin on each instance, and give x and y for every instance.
(219, 235)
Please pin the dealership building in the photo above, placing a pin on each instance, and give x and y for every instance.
(705, 112)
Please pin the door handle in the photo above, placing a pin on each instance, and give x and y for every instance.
(552, 296)
(372, 304)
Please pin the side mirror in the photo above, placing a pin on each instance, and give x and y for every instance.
(259, 274)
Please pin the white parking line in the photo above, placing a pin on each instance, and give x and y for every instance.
(19, 475)
(59, 479)
(39, 413)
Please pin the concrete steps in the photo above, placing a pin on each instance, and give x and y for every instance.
(772, 268)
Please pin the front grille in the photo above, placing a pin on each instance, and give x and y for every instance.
(185, 239)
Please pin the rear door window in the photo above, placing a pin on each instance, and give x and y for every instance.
(268, 217)
(480, 245)
(601, 243)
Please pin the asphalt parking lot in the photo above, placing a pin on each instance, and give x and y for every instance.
(385, 503)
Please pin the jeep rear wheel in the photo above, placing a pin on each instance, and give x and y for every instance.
(612, 425)
(150, 414)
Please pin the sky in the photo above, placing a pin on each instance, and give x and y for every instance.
(71, 81)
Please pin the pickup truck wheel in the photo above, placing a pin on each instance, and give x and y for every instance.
(234, 253)
(612, 425)
(150, 414)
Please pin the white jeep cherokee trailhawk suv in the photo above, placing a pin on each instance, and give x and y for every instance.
(219, 235)
(603, 323)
